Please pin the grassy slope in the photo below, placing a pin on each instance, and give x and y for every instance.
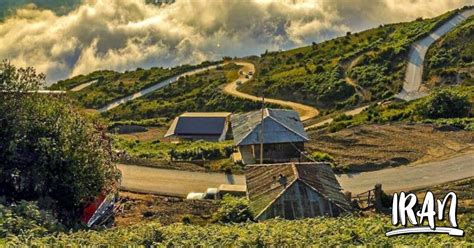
(315, 75)
(113, 85)
(403, 111)
(195, 93)
(452, 56)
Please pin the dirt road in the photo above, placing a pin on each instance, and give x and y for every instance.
(413, 76)
(174, 182)
(306, 112)
(411, 176)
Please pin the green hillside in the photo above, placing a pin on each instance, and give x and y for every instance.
(199, 93)
(327, 75)
(451, 59)
(335, 74)
(113, 85)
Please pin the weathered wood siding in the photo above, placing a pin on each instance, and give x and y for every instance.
(279, 152)
(300, 201)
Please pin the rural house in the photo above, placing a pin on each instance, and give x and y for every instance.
(294, 191)
(211, 126)
(283, 136)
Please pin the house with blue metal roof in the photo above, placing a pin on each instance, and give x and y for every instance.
(283, 136)
(210, 126)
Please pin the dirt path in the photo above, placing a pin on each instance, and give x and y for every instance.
(306, 112)
(174, 182)
(413, 76)
(363, 93)
(351, 112)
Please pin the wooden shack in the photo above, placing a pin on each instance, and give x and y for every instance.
(283, 135)
(294, 191)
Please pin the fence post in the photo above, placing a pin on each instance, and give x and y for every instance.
(378, 197)
(348, 195)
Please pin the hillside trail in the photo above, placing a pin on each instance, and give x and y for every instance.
(364, 94)
(306, 112)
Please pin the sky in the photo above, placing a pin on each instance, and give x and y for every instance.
(71, 37)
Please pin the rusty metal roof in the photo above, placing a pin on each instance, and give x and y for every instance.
(264, 186)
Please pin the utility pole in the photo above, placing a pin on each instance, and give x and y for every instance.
(261, 130)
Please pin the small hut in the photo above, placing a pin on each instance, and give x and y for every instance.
(283, 135)
(294, 191)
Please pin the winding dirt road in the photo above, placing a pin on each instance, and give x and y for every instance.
(306, 112)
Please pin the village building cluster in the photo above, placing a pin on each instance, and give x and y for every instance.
(280, 182)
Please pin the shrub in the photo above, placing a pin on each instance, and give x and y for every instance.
(445, 104)
(234, 210)
(25, 220)
(321, 157)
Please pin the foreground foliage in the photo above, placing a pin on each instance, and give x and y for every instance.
(323, 232)
(48, 151)
(25, 220)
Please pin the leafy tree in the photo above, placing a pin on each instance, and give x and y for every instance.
(445, 104)
(48, 151)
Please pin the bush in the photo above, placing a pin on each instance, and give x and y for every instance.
(25, 220)
(445, 104)
(233, 210)
(321, 157)
(48, 150)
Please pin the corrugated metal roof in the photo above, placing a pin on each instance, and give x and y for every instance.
(206, 114)
(198, 124)
(264, 188)
(280, 126)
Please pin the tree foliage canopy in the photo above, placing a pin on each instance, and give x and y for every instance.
(48, 151)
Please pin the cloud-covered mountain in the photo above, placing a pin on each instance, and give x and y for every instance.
(72, 38)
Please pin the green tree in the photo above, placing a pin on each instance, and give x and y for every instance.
(48, 151)
(445, 104)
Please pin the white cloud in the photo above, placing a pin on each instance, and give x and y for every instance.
(125, 34)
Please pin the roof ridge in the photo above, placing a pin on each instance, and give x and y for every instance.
(285, 126)
(254, 127)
